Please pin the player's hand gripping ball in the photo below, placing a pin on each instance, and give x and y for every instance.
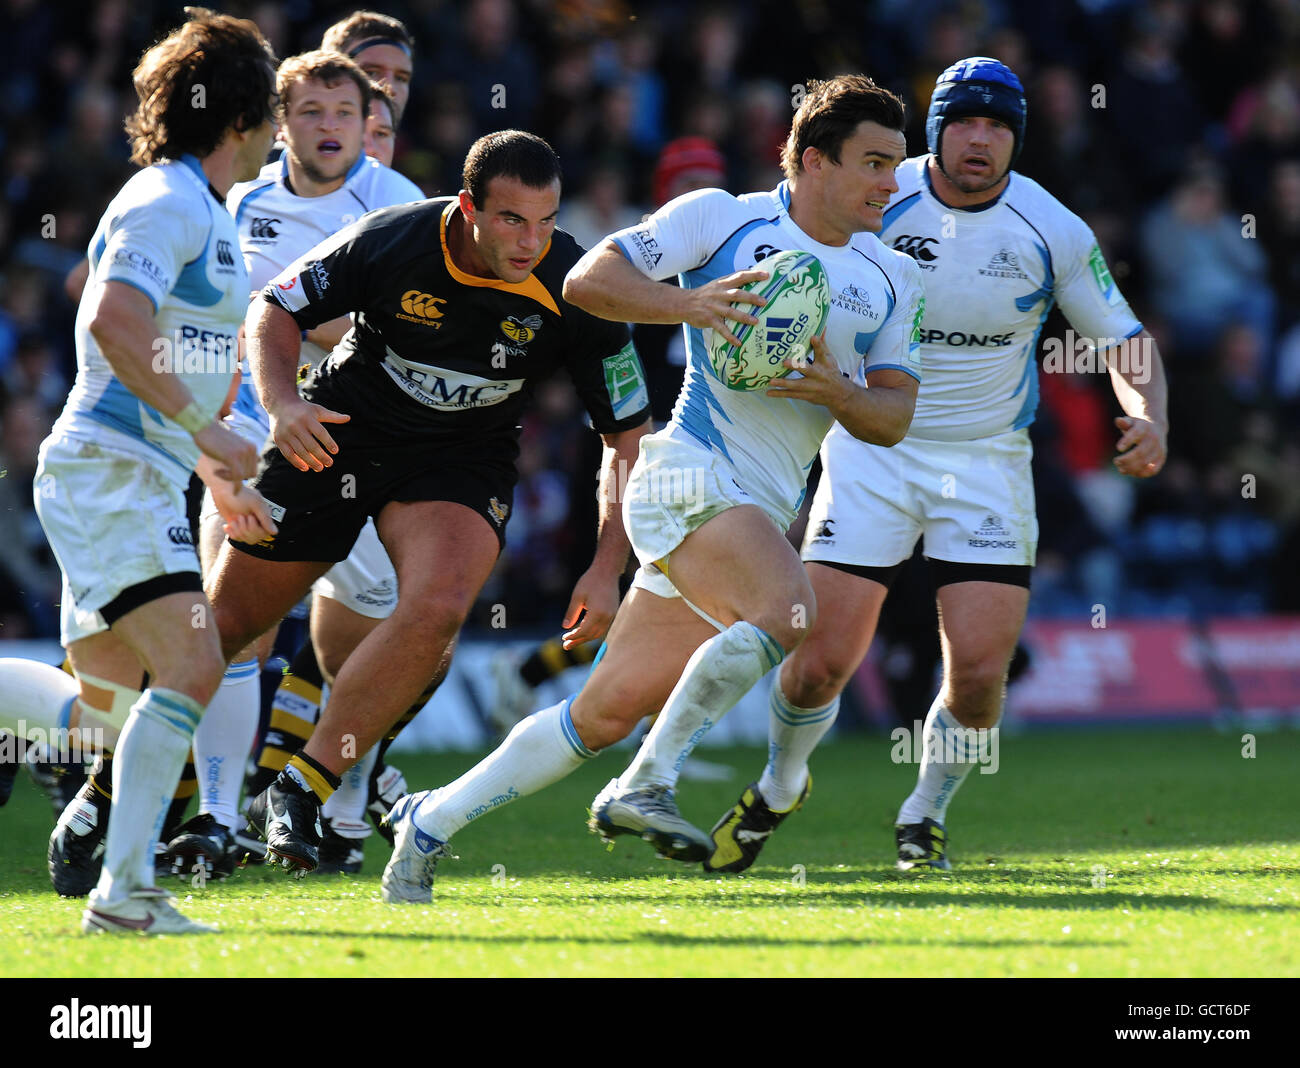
(798, 302)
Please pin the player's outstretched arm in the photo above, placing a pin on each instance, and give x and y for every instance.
(297, 425)
(122, 324)
(606, 285)
(595, 597)
(879, 414)
(1138, 376)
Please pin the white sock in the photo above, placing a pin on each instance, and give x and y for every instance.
(719, 673)
(346, 807)
(35, 698)
(948, 752)
(224, 739)
(792, 735)
(146, 767)
(542, 749)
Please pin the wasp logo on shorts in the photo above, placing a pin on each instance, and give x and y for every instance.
(824, 531)
(521, 331)
(497, 511)
(421, 308)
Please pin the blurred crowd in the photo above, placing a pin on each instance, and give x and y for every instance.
(1171, 126)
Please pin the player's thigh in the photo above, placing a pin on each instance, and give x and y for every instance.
(442, 552)
(176, 641)
(336, 630)
(250, 595)
(647, 648)
(739, 565)
(848, 609)
(980, 623)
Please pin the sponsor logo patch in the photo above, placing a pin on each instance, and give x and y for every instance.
(421, 308)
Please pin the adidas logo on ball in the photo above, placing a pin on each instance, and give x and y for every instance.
(798, 302)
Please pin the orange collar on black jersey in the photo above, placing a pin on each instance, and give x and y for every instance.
(529, 287)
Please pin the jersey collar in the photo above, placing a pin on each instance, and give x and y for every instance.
(192, 162)
(530, 287)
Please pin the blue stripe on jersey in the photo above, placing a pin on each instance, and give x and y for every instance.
(894, 367)
(136, 285)
(622, 248)
(249, 198)
(863, 339)
(119, 409)
(1043, 292)
(98, 251)
(1026, 414)
(193, 286)
(897, 211)
(693, 411)
(246, 403)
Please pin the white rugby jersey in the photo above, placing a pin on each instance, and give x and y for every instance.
(276, 226)
(875, 299)
(167, 234)
(991, 276)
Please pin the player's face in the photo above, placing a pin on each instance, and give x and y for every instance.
(390, 65)
(512, 226)
(324, 128)
(976, 152)
(856, 190)
(380, 140)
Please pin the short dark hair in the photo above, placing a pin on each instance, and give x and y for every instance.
(383, 91)
(347, 33)
(510, 154)
(830, 113)
(222, 61)
(328, 68)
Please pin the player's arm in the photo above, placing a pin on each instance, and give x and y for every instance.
(242, 508)
(595, 597)
(1138, 376)
(605, 284)
(297, 425)
(123, 326)
(879, 414)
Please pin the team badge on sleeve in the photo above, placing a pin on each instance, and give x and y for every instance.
(625, 381)
(1101, 274)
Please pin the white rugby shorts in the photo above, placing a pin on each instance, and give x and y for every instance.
(973, 501)
(113, 522)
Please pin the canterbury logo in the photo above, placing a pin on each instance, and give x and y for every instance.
(421, 305)
(264, 228)
(224, 255)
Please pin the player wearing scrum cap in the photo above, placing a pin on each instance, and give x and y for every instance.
(997, 250)
(710, 611)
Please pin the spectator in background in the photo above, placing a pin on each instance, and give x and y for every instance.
(602, 209)
(1204, 273)
(27, 566)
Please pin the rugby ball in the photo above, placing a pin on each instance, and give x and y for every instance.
(798, 302)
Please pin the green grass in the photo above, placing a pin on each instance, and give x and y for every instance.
(1201, 850)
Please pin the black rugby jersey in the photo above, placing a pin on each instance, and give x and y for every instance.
(439, 356)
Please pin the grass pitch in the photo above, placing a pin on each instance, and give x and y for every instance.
(1119, 853)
